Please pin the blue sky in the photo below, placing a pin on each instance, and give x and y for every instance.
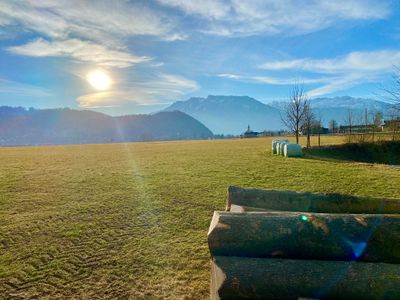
(157, 52)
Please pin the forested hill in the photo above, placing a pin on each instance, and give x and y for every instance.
(20, 126)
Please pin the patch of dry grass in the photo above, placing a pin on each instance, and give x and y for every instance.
(131, 220)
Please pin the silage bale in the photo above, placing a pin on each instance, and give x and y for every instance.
(278, 147)
(292, 150)
(282, 147)
(275, 144)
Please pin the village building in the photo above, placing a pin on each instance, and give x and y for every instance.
(250, 133)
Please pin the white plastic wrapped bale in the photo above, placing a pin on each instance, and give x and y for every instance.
(275, 145)
(278, 147)
(282, 147)
(292, 150)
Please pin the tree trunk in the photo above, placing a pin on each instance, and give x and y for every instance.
(262, 278)
(319, 139)
(373, 134)
(295, 235)
(309, 202)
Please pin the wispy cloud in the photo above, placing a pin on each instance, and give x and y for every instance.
(22, 89)
(102, 21)
(209, 9)
(274, 80)
(78, 50)
(342, 72)
(105, 34)
(85, 32)
(237, 17)
(163, 88)
(375, 61)
(96, 34)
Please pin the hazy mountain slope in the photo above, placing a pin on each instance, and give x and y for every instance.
(230, 114)
(64, 126)
(173, 125)
(348, 102)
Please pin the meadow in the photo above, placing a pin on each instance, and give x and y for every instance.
(130, 221)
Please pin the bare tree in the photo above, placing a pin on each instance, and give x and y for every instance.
(365, 120)
(349, 122)
(295, 110)
(319, 128)
(308, 122)
(333, 126)
(393, 122)
(393, 92)
(376, 124)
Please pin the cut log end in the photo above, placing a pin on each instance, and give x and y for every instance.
(214, 222)
(218, 277)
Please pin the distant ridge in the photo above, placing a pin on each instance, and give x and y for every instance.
(232, 114)
(19, 126)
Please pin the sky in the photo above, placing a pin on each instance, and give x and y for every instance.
(157, 52)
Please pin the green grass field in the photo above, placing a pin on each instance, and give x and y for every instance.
(131, 220)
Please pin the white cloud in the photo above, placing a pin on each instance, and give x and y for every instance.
(164, 88)
(273, 80)
(210, 9)
(343, 83)
(333, 74)
(343, 72)
(286, 81)
(17, 88)
(375, 61)
(100, 21)
(79, 50)
(238, 17)
(85, 31)
(230, 76)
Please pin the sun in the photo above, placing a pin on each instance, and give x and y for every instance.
(99, 80)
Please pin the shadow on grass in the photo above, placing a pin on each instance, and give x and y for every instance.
(380, 152)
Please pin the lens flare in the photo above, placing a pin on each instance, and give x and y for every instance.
(304, 218)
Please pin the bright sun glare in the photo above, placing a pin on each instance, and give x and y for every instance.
(100, 80)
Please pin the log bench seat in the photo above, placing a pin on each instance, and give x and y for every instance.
(287, 245)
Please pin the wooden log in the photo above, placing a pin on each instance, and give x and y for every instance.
(371, 238)
(310, 202)
(262, 278)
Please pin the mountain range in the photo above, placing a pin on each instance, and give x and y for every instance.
(195, 118)
(20, 126)
(232, 114)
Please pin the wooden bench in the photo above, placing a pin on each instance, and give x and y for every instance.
(287, 245)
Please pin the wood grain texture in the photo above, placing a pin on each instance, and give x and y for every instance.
(255, 278)
(346, 237)
(309, 202)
